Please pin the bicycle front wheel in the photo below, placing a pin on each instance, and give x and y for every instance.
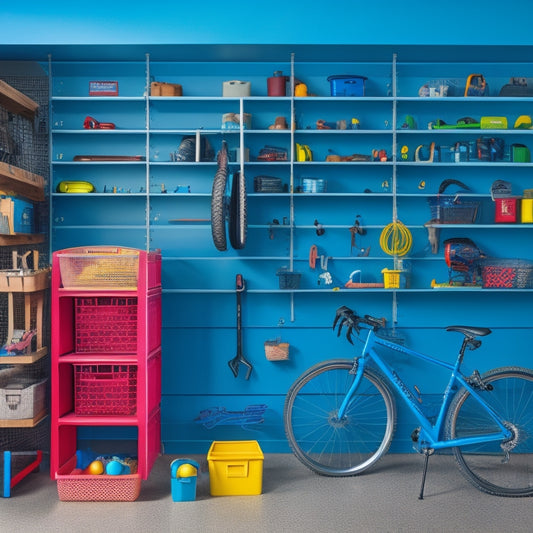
(326, 444)
(503, 468)
(219, 204)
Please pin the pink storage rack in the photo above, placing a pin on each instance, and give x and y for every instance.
(98, 328)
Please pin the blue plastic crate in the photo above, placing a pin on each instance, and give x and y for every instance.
(347, 85)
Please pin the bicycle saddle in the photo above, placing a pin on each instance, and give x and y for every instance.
(470, 331)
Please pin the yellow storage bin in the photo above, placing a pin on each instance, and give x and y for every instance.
(235, 468)
(527, 210)
(391, 278)
(395, 279)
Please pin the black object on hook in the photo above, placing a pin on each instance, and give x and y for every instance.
(275, 222)
(319, 228)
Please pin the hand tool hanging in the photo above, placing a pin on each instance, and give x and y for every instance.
(239, 358)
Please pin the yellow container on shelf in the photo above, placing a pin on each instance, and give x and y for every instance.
(235, 468)
(391, 278)
(527, 210)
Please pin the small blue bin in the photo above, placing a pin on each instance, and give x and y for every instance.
(347, 85)
(22, 214)
(183, 488)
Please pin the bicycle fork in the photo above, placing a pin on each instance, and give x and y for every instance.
(358, 370)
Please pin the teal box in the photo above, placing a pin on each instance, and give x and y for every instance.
(23, 217)
(183, 487)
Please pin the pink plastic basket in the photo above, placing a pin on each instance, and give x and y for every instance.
(106, 325)
(105, 390)
(86, 488)
(75, 486)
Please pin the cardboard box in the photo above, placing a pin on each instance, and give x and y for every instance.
(158, 88)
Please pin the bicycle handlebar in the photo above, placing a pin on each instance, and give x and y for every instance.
(347, 317)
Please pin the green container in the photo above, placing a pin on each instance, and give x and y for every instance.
(520, 153)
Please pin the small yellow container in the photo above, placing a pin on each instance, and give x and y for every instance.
(391, 278)
(235, 468)
(527, 210)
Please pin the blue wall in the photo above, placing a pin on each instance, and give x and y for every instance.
(41, 25)
(277, 22)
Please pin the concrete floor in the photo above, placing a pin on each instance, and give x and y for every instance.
(294, 500)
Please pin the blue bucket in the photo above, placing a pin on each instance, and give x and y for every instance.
(183, 488)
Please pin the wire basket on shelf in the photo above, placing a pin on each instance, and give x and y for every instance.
(105, 390)
(451, 209)
(110, 268)
(288, 280)
(268, 184)
(507, 273)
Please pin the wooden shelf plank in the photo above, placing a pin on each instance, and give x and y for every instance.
(21, 182)
(29, 281)
(23, 422)
(17, 102)
(23, 359)
(21, 239)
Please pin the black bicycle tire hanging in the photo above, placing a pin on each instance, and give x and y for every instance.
(238, 212)
(218, 200)
(234, 211)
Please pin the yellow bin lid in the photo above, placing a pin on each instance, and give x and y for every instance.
(236, 449)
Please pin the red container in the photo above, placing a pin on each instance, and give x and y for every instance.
(277, 84)
(105, 390)
(106, 325)
(507, 209)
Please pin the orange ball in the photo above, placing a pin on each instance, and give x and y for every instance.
(95, 468)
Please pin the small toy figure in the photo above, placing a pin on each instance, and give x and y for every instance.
(19, 343)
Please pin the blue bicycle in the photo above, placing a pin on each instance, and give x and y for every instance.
(340, 415)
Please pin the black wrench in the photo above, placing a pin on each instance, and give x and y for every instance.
(239, 358)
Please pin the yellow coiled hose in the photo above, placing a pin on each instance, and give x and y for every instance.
(396, 239)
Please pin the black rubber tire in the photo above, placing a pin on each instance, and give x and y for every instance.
(325, 444)
(219, 204)
(484, 465)
(238, 214)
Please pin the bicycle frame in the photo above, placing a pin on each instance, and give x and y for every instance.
(431, 434)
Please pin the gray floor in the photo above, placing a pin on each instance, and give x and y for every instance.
(294, 499)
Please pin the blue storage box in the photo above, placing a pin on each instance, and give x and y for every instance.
(347, 85)
(16, 216)
(23, 218)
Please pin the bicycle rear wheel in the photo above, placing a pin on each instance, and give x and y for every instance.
(339, 447)
(238, 215)
(503, 468)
